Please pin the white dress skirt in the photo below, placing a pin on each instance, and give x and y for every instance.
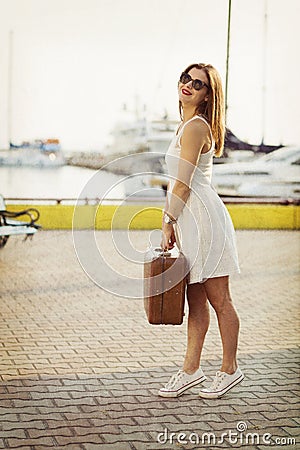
(204, 231)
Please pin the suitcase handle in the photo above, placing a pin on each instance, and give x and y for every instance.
(157, 251)
(160, 251)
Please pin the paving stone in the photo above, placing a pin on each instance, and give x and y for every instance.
(17, 433)
(279, 404)
(291, 430)
(81, 368)
(56, 394)
(153, 426)
(116, 421)
(150, 446)
(62, 410)
(46, 402)
(131, 406)
(120, 446)
(102, 407)
(266, 424)
(73, 402)
(277, 415)
(92, 438)
(67, 446)
(8, 417)
(37, 424)
(42, 416)
(109, 438)
(86, 431)
(23, 447)
(44, 441)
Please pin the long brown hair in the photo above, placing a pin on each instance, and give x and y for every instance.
(213, 110)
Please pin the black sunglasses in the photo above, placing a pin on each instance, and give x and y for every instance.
(196, 84)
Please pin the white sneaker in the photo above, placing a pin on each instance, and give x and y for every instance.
(222, 383)
(180, 382)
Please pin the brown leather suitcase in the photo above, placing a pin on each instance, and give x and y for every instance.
(164, 287)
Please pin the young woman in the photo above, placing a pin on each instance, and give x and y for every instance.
(198, 221)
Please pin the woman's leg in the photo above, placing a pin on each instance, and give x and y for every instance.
(198, 322)
(217, 291)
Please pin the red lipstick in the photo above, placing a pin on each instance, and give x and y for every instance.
(186, 92)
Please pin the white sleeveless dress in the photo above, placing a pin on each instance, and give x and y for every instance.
(204, 230)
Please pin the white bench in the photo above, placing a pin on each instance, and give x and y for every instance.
(11, 227)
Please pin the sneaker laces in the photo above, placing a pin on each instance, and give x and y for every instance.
(174, 379)
(217, 380)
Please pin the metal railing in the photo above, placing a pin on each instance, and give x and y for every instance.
(132, 200)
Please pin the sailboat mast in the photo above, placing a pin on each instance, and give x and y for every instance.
(264, 69)
(227, 58)
(10, 81)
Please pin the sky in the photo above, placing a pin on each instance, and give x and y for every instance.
(76, 63)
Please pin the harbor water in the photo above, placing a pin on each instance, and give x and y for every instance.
(67, 182)
(64, 182)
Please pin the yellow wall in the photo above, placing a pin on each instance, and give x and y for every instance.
(244, 216)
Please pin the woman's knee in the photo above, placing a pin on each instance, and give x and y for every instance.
(218, 292)
(196, 296)
(220, 301)
(196, 292)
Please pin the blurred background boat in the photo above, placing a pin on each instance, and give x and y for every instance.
(276, 174)
(39, 153)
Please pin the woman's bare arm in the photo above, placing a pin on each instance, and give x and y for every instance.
(194, 138)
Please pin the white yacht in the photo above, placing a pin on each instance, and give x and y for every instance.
(39, 153)
(140, 134)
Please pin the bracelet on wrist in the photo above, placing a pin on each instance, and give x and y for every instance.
(167, 218)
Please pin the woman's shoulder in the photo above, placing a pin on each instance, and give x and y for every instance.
(197, 127)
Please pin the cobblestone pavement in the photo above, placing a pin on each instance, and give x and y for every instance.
(80, 368)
